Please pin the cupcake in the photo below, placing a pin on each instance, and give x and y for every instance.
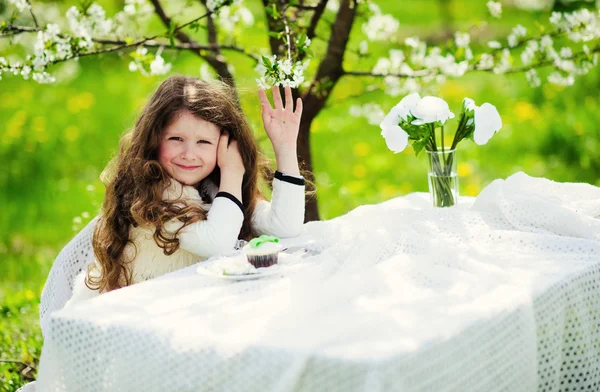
(262, 251)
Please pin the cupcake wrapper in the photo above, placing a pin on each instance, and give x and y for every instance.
(263, 261)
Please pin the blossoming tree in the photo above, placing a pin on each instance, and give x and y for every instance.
(565, 48)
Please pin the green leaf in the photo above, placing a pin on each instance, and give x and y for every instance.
(418, 146)
(267, 62)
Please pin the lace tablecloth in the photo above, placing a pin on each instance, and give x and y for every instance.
(499, 294)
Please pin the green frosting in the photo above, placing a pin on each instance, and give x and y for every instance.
(256, 242)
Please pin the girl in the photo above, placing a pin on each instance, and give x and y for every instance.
(184, 186)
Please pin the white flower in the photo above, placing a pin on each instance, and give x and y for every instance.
(133, 66)
(468, 104)
(383, 66)
(556, 18)
(494, 44)
(262, 83)
(495, 8)
(462, 39)
(413, 42)
(431, 109)
(363, 47)
(396, 138)
(333, 5)
(356, 111)
(159, 67)
(487, 122)
(380, 27)
(546, 42)
(401, 111)
(532, 78)
(557, 78)
(286, 66)
(22, 5)
(373, 113)
(519, 31)
(486, 61)
(566, 53)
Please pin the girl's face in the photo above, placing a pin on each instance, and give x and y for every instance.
(188, 148)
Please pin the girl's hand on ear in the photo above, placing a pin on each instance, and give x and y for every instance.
(283, 122)
(229, 158)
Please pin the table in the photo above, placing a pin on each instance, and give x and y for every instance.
(499, 294)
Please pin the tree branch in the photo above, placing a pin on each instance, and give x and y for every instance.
(330, 69)
(212, 29)
(473, 67)
(216, 61)
(274, 27)
(149, 42)
(319, 10)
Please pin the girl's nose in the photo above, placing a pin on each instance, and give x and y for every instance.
(188, 153)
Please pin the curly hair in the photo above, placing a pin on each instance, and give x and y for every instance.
(135, 181)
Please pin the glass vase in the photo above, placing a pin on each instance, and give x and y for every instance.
(443, 178)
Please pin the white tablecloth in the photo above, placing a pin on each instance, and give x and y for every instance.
(497, 295)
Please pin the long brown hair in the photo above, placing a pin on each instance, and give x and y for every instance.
(135, 181)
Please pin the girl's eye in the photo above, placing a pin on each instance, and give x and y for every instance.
(176, 138)
(204, 142)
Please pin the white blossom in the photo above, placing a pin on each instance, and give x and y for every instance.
(556, 18)
(559, 79)
(566, 53)
(363, 47)
(413, 42)
(486, 61)
(504, 62)
(380, 27)
(487, 123)
(462, 39)
(333, 5)
(494, 44)
(373, 113)
(517, 32)
(392, 86)
(356, 111)
(382, 66)
(532, 78)
(22, 5)
(431, 109)
(494, 8)
(43, 77)
(396, 138)
(546, 42)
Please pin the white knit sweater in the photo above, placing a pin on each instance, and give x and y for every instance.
(282, 217)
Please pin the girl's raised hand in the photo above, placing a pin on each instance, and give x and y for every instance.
(228, 156)
(282, 122)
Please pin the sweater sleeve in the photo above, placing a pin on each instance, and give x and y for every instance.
(218, 233)
(284, 215)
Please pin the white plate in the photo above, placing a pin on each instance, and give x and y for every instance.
(284, 262)
(262, 272)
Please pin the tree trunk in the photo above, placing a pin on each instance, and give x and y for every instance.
(311, 211)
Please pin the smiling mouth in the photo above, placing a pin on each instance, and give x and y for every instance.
(188, 167)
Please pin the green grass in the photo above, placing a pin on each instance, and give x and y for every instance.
(55, 141)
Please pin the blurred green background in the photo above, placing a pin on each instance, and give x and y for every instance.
(56, 139)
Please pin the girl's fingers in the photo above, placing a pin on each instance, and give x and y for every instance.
(223, 142)
(264, 100)
(289, 101)
(298, 111)
(277, 98)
